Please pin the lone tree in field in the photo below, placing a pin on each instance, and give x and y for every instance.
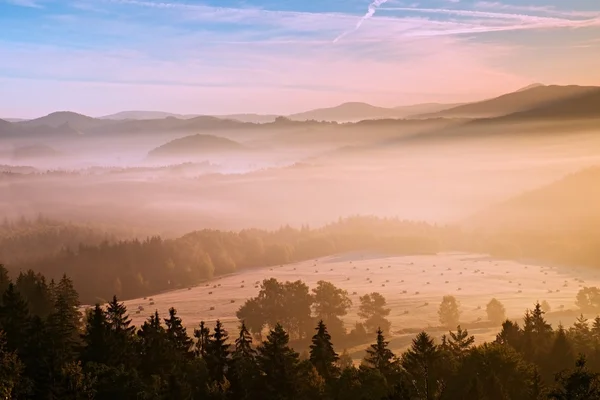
(448, 312)
(330, 304)
(588, 299)
(372, 310)
(496, 313)
(546, 306)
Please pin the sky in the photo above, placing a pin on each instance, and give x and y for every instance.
(98, 57)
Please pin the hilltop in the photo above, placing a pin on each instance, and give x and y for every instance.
(196, 145)
(523, 100)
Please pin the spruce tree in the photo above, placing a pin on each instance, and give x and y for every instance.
(322, 354)
(154, 349)
(243, 372)
(14, 319)
(379, 356)
(11, 370)
(422, 363)
(278, 364)
(595, 331)
(4, 281)
(177, 335)
(120, 333)
(217, 353)
(202, 335)
(65, 321)
(460, 342)
(96, 346)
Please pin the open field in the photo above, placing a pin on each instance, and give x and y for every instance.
(413, 286)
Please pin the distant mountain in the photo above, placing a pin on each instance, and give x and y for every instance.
(532, 86)
(573, 201)
(586, 105)
(196, 145)
(15, 119)
(148, 115)
(73, 120)
(141, 115)
(167, 124)
(523, 100)
(352, 112)
(416, 109)
(252, 118)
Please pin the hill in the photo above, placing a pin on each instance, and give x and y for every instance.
(574, 199)
(64, 119)
(510, 103)
(141, 115)
(196, 145)
(559, 223)
(586, 105)
(345, 112)
(6, 128)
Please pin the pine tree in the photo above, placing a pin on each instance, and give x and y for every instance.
(278, 364)
(579, 383)
(379, 356)
(595, 331)
(65, 321)
(243, 344)
(4, 281)
(11, 370)
(243, 372)
(510, 335)
(202, 336)
(154, 349)
(421, 361)
(217, 353)
(322, 354)
(460, 342)
(14, 319)
(581, 334)
(96, 337)
(561, 353)
(177, 335)
(120, 333)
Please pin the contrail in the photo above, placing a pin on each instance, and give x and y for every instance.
(370, 12)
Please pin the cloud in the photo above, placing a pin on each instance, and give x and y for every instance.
(370, 12)
(548, 10)
(24, 3)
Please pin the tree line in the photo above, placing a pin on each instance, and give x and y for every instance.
(137, 268)
(54, 352)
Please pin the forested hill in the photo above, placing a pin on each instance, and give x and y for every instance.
(135, 268)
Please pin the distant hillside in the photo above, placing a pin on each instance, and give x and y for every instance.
(510, 103)
(252, 118)
(6, 128)
(571, 202)
(586, 105)
(141, 115)
(349, 112)
(558, 223)
(167, 124)
(63, 119)
(196, 145)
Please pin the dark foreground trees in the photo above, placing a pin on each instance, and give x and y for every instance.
(64, 355)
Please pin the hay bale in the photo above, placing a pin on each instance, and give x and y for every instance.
(232, 301)
(211, 309)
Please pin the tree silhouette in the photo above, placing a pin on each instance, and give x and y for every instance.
(278, 364)
(496, 313)
(448, 312)
(380, 357)
(372, 310)
(217, 353)
(322, 354)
